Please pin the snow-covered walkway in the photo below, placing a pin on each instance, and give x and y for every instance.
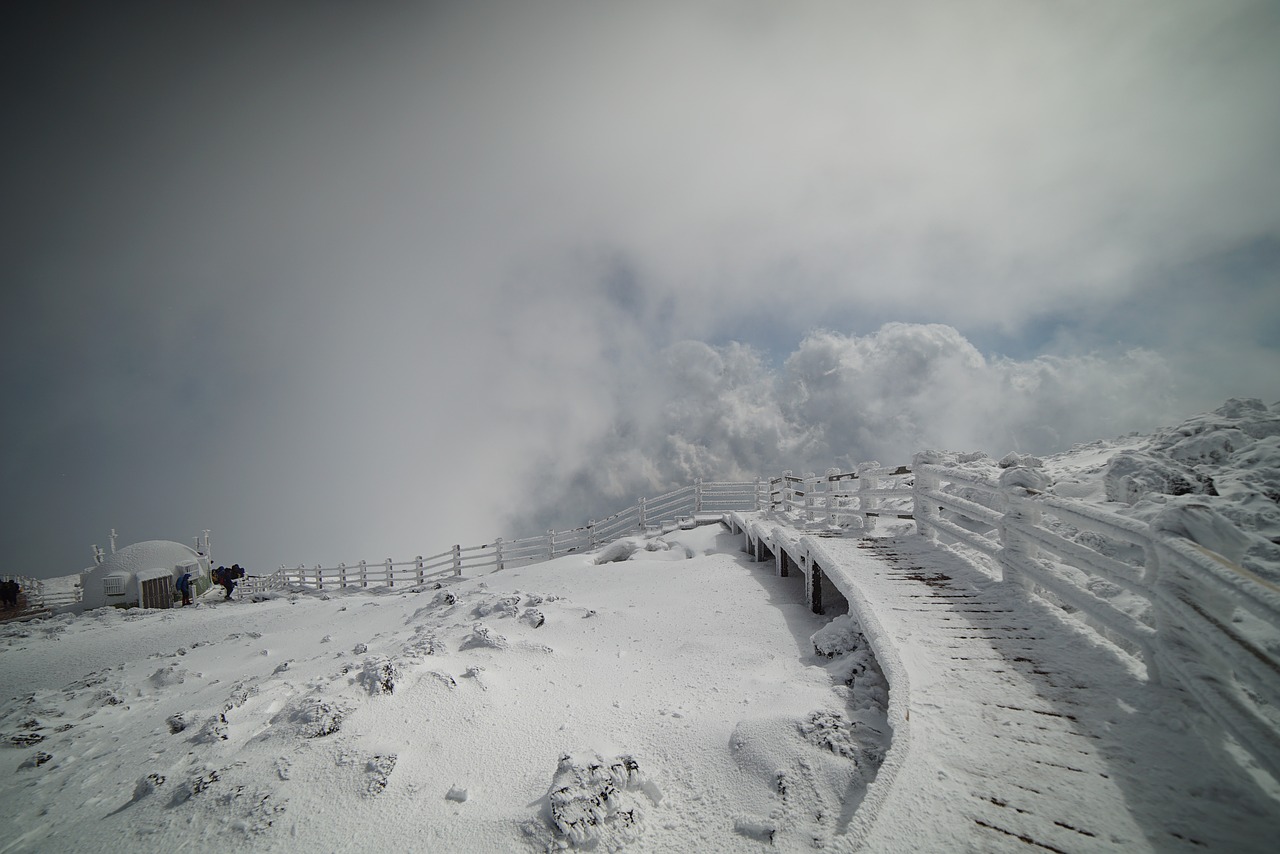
(1015, 730)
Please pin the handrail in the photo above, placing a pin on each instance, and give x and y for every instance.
(1187, 635)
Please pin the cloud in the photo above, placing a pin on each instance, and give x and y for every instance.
(340, 279)
(721, 413)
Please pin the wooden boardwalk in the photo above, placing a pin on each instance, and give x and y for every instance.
(1013, 729)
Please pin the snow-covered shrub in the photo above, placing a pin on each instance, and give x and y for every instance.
(593, 802)
(378, 675)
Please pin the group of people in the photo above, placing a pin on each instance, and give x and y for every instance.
(224, 576)
(9, 592)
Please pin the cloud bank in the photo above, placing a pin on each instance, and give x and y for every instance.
(345, 282)
(722, 413)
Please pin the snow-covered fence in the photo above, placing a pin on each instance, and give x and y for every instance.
(686, 505)
(1190, 615)
(37, 595)
(840, 497)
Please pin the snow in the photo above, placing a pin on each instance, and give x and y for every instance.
(661, 694)
(441, 719)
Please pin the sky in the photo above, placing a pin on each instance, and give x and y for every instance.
(342, 282)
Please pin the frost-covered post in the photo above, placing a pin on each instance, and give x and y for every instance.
(302, 575)
(760, 498)
(457, 559)
(697, 495)
(364, 574)
(834, 491)
(113, 540)
(497, 552)
(1019, 514)
(591, 535)
(924, 509)
(420, 568)
(319, 577)
(342, 575)
(868, 480)
(551, 543)
(810, 496)
(640, 507)
(391, 579)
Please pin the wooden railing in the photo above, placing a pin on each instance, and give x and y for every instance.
(687, 505)
(1202, 622)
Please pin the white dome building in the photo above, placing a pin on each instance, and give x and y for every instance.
(143, 574)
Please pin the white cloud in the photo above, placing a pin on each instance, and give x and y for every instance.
(721, 413)
(380, 263)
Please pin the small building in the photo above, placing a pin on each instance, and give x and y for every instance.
(143, 575)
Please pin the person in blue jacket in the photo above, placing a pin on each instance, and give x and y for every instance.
(184, 587)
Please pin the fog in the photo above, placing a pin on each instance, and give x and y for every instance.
(309, 274)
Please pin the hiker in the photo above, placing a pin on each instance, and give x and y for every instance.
(228, 577)
(184, 587)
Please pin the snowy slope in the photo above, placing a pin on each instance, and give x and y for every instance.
(437, 719)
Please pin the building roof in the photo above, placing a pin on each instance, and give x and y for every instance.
(150, 554)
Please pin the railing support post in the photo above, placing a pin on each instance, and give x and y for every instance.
(868, 482)
(420, 569)
(457, 559)
(364, 574)
(923, 508)
(1017, 512)
(641, 519)
(391, 579)
(551, 543)
(497, 552)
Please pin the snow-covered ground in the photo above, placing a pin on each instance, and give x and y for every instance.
(467, 718)
(660, 695)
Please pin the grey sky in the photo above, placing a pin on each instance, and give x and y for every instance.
(354, 281)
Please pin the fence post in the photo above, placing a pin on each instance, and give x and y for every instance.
(591, 535)
(759, 499)
(497, 551)
(391, 580)
(551, 543)
(319, 578)
(642, 520)
(810, 495)
(1018, 512)
(922, 507)
(342, 575)
(868, 481)
(364, 574)
(420, 569)
(697, 495)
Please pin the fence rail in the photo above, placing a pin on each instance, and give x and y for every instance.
(1200, 620)
(679, 506)
(35, 597)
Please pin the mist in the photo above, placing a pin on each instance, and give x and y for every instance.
(348, 283)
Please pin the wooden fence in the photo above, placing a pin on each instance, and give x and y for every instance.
(700, 501)
(1203, 622)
